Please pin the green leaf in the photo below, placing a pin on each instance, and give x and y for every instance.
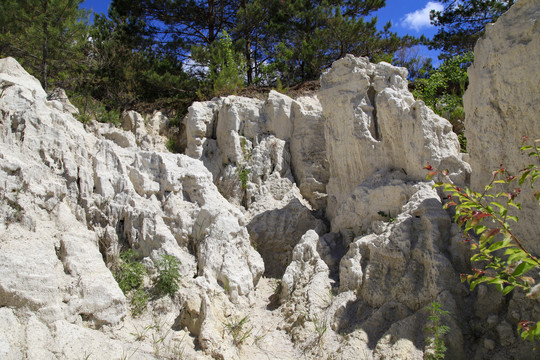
(479, 281)
(507, 289)
(448, 187)
(478, 257)
(523, 177)
(520, 255)
(516, 205)
(512, 217)
(449, 204)
(522, 269)
(494, 203)
(488, 235)
(500, 245)
(480, 229)
(496, 280)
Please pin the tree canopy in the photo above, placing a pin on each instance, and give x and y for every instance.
(47, 36)
(462, 22)
(163, 54)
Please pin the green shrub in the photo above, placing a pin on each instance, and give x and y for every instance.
(243, 175)
(437, 348)
(168, 275)
(130, 274)
(139, 299)
(499, 256)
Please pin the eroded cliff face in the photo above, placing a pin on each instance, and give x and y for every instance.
(501, 104)
(377, 136)
(308, 221)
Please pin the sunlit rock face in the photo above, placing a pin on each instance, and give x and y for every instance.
(306, 220)
(70, 194)
(374, 127)
(501, 104)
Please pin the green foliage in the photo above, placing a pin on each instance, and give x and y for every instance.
(443, 90)
(125, 73)
(461, 24)
(130, 274)
(238, 331)
(139, 299)
(168, 275)
(500, 258)
(385, 215)
(47, 37)
(91, 109)
(243, 175)
(226, 68)
(437, 348)
(269, 39)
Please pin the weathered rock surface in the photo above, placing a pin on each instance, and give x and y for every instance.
(501, 104)
(68, 194)
(270, 175)
(373, 124)
(258, 151)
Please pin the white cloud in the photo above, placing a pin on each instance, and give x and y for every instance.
(420, 18)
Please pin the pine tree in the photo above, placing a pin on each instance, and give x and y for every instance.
(46, 36)
(461, 24)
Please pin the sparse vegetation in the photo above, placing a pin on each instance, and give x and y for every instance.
(320, 327)
(243, 175)
(388, 217)
(239, 330)
(436, 347)
(130, 274)
(168, 275)
(500, 257)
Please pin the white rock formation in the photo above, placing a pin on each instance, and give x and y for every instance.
(374, 124)
(67, 194)
(502, 104)
(257, 152)
(258, 174)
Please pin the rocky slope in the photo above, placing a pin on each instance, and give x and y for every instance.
(304, 227)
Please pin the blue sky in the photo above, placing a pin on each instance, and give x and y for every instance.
(407, 17)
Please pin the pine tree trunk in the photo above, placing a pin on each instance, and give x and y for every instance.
(45, 51)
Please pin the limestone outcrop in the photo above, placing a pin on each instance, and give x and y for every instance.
(374, 126)
(267, 157)
(501, 104)
(71, 196)
(304, 227)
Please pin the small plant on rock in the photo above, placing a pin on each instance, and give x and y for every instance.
(238, 330)
(500, 257)
(139, 299)
(320, 327)
(130, 273)
(243, 175)
(436, 345)
(168, 275)
(386, 215)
